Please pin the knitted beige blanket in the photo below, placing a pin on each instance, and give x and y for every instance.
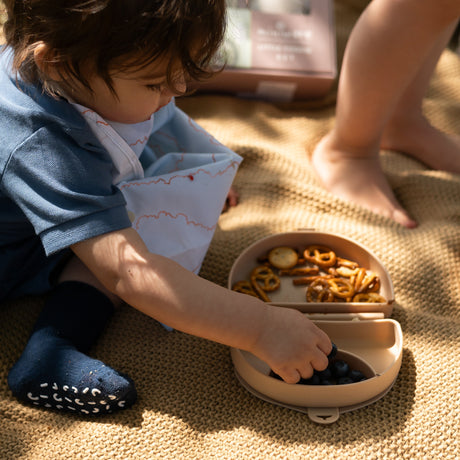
(191, 406)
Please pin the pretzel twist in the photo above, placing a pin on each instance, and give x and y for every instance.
(260, 292)
(264, 275)
(244, 287)
(341, 262)
(322, 256)
(341, 288)
(318, 291)
(369, 297)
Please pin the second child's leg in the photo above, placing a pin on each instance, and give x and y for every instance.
(409, 132)
(388, 47)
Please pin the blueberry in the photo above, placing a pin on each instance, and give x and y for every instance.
(313, 380)
(344, 381)
(324, 375)
(274, 375)
(333, 351)
(356, 375)
(338, 372)
(340, 368)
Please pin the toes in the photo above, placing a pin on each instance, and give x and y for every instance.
(403, 218)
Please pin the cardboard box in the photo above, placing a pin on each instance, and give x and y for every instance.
(279, 50)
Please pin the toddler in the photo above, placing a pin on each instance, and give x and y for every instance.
(83, 85)
(388, 62)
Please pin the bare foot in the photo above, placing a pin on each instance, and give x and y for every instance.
(416, 137)
(358, 178)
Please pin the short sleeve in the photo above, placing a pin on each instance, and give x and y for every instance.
(64, 189)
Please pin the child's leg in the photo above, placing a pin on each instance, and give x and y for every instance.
(54, 370)
(387, 48)
(408, 131)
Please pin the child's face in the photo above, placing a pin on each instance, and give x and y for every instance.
(140, 93)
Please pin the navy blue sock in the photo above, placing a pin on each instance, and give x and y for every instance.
(54, 370)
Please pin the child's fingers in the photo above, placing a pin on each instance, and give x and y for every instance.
(324, 342)
(232, 199)
(289, 375)
(319, 362)
(306, 371)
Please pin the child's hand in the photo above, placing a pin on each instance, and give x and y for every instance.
(292, 345)
(232, 199)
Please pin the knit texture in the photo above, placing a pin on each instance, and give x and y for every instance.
(190, 404)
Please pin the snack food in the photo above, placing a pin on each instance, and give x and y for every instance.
(269, 281)
(327, 276)
(368, 297)
(322, 256)
(245, 287)
(283, 257)
(299, 271)
(318, 291)
(341, 287)
(338, 372)
(264, 275)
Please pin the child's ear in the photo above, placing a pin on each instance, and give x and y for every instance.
(43, 57)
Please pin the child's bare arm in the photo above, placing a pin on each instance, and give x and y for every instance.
(284, 338)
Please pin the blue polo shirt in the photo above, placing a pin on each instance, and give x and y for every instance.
(55, 184)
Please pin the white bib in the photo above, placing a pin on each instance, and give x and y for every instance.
(175, 204)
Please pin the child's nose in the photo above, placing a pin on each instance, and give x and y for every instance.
(180, 87)
(167, 94)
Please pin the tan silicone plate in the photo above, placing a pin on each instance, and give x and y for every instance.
(289, 295)
(373, 346)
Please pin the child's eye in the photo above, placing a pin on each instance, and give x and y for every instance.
(154, 87)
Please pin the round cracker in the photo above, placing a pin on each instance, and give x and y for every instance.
(283, 257)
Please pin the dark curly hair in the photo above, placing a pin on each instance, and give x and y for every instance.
(104, 33)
